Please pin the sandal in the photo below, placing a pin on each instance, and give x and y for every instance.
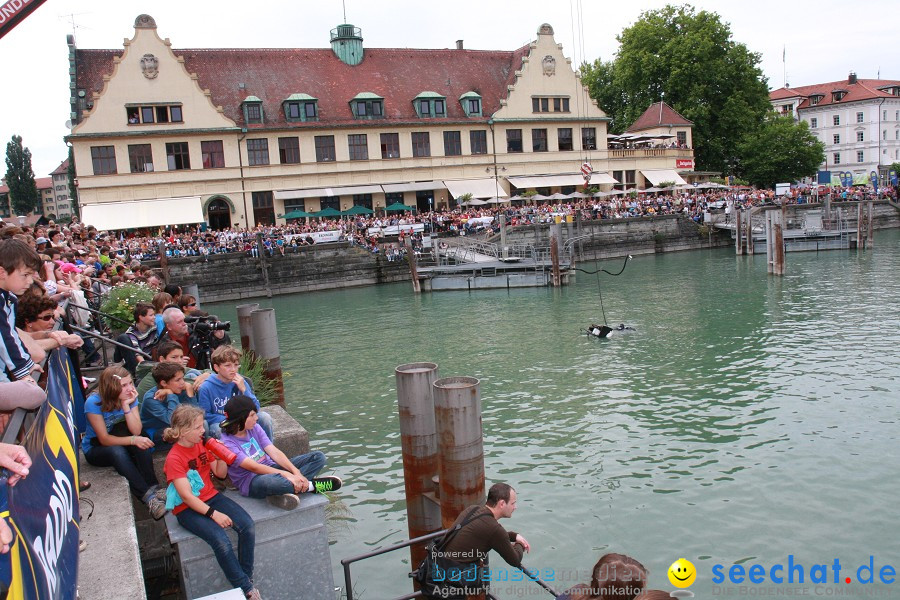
(84, 486)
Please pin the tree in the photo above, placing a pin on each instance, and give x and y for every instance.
(23, 191)
(780, 150)
(687, 59)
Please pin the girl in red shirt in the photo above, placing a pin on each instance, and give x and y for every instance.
(202, 510)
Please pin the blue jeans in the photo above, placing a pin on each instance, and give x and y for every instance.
(130, 462)
(238, 569)
(265, 421)
(272, 484)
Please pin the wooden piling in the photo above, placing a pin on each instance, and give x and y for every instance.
(265, 346)
(778, 249)
(870, 235)
(860, 231)
(769, 242)
(738, 232)
(554, 254)
(263, 263)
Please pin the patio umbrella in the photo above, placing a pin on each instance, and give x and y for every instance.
(557, 196)
(517, 197)
(358, 210)
(602, 194)
(577, 195)
(297, 214)
(399, 206)
(475, 202)
(496, 200)
(650, 190)
(540, 197)
(327, 212)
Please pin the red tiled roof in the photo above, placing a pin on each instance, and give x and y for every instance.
(43, 183)
(62, 169)
(653, 117)
(863, 89)
(396, 74)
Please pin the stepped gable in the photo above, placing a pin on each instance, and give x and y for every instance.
(396, 74)
(653, 117)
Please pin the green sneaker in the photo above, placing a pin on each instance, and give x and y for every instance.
(326, 484)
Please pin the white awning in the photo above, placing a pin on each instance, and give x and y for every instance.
(602, 177)
(327, 192)
(658, 176)
(560, 180)
(479, 188)
(108, 216)
(416, 186)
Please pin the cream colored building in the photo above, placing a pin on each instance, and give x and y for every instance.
(241, 136)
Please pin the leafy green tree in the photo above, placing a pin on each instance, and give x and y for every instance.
(689, 60)
(23, 191)
(780, 150)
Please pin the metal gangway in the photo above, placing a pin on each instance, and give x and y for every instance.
(463, 251)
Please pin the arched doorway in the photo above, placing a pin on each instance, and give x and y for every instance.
(218, 214)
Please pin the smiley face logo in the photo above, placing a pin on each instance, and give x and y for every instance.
(682, 573)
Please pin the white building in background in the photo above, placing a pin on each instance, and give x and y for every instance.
(858, 120)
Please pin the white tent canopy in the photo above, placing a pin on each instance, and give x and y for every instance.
(109, 216)
(658, 176)
(327, 192)
(479, 188)
(415, 186)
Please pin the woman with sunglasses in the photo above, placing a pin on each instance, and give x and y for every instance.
(187, 304)
(36, 316)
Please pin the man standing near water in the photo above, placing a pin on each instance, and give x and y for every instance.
(482, 531)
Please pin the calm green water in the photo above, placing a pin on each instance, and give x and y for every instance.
(748, 418)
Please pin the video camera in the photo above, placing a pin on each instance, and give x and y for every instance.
(207, 324)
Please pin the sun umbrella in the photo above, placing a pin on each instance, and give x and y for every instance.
(297, 214)
(358, 210)
(399, 206)
(327, 212)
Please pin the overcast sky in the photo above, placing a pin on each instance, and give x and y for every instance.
(825, 39)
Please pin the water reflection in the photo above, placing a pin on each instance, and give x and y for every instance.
(748, 416)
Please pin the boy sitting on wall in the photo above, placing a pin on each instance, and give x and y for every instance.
(224, 383)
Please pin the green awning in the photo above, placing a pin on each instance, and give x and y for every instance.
(358, 210)
(397, 206)
(298, 214)
(327, 212)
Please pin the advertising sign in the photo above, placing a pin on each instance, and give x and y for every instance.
(684, 163)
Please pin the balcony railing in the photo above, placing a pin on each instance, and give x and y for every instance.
(651, 152)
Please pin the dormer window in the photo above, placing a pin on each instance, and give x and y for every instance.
(471, 104)
(253, 110)
(301, 108)
(367, 106)
(430, 105)
(153, 113)
(838, 95)
(815, 99)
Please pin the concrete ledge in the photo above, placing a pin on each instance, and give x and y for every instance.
(110, 566)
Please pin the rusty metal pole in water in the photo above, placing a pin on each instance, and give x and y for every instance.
(870, 236)
(245, 325)
(457, 415)
(418, 441)
(555, 233)
(778, 247)
(738, 234)
(413, 270)
(265, 346)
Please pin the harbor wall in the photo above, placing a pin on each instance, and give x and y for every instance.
(237, 276)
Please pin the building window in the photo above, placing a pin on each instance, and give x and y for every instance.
(814, 123)
(836, 158)
(301, 110)
(859, 136)
(836, 119)
(368, 108)
(289, 150)
(325, 148)
(213, 154)
(681, 138)
(588, 138)
(431, 106)
(104, 159)
(837, 138)
(558, 104)
(295, 204)
(514, 140)
(452, 143)
(263, 208)
(177, 156)
(884, 135)
(478, 141)
(424, 108)
(564, 138)
(860, 157)
(421, 143)
(815, 99)
(147, 114)
(253, 112)
(257, 151)
(363, 200)
(140, 157)
(539, 140)
(471, 104)
(292, 111)
(165, 113)
(859, 117)
(390, 145)
(359, 146)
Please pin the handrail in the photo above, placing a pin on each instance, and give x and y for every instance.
(348, 580)
(110, 340)
(102, 314)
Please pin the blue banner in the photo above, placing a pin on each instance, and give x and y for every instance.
(43, 507)
(824, 178)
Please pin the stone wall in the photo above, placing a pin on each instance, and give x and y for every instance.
(332, 266)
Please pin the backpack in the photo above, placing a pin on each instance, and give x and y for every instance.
(442, 577)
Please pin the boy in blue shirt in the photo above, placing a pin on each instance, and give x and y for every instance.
(224, 383)
(160, 402)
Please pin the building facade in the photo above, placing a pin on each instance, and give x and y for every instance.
(858, 120)
(243, 136)
(61, 206)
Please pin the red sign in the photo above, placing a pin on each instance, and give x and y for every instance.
(586, 170)
(12, 13)
(684, 163)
